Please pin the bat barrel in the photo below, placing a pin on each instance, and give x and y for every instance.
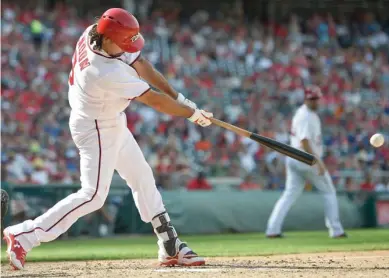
(273, 144)
(297, 154)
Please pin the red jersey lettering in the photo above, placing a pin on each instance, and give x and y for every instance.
(81, 57)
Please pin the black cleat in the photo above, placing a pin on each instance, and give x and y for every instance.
(344, 235)
(275, 236)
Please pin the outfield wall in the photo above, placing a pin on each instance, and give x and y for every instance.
(220, 212)
(226, 211)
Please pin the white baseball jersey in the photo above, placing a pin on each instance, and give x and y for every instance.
(306, 125)
(100, 86)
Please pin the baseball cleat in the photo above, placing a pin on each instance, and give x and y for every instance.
(275, 236)
(344, 235)
(15, 251)
(184, 255)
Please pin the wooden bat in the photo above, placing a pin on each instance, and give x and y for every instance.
(287, 150)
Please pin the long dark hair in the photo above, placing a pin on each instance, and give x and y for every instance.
(96, 38)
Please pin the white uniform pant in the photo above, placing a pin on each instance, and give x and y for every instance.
(105, 146)
(297, 174)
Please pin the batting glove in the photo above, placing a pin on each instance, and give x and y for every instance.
(183, 100)
(201, 118)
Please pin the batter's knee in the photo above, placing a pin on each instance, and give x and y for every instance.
(96, 199)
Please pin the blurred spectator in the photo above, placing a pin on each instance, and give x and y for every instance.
(40, 176)
(36, 28)
(203, 144)
(199, 183)
(248, 184)
(381, 186)
(349, 185)
(367, 185)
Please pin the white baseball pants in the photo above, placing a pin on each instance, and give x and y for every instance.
(105, 146)
(297, 174)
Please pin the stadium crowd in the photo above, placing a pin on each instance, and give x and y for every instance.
(251, 75)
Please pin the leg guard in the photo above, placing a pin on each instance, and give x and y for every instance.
(165, 232)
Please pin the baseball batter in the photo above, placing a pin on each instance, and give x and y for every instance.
(306, 135)
(108, 72)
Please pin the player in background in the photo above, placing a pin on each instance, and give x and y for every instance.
(306, 135)
(108, 73)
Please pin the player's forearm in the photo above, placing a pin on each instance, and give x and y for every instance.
(153, 77)
(159, 81)
(169, 106)
(165, 104)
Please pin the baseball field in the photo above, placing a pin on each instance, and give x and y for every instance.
(300, 254)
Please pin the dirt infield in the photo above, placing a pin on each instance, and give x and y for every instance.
(341, 264)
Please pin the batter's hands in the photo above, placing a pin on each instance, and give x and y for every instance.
(183, 100)
(201, 118)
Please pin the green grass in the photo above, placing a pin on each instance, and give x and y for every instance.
(209, 245)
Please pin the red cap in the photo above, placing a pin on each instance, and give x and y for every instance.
(312, 92)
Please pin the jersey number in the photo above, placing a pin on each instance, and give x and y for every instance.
(74, 62)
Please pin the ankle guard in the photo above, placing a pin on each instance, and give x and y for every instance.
(165, 232)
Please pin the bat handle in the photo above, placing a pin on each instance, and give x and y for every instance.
(230, 127)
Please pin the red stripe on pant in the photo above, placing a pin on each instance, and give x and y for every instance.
(86, 202)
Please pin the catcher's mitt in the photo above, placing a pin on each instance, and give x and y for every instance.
(4, 207)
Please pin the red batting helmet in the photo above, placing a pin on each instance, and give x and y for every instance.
(312, 92)
(122, 28)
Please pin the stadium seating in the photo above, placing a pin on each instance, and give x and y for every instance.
(244, 75)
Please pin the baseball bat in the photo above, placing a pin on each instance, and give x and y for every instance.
(285, 149)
